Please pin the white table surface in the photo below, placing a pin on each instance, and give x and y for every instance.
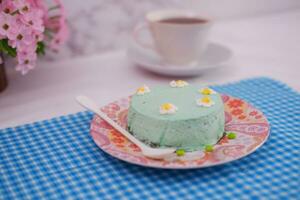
(263, 46)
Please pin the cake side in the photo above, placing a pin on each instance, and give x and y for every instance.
(189, 126)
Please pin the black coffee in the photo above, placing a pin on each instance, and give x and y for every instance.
(184, 20)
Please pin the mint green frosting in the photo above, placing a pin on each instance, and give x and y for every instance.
(191, 127)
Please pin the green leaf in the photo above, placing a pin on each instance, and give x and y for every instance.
(5, 48)
(54, 7)
(40, 49)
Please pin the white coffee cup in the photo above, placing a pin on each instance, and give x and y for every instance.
(178, 42)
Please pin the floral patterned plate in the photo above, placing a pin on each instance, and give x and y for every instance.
(249, 124)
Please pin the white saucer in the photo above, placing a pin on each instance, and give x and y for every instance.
(214, 56)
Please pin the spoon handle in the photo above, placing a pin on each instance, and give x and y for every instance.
(92, 106)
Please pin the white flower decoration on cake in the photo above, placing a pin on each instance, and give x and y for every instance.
(178, 83)
(207, 91)
(205, 101)
(167, 108)
(143, 90)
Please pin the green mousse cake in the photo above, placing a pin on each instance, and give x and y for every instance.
(177, 115)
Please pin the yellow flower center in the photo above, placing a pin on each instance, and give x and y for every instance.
(180, 82)
(206, 91)
(166, 106)
(141, 90)
(206, 100)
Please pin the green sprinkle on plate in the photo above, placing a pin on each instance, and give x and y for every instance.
(180, 152)
(209, 148)
(231, 135)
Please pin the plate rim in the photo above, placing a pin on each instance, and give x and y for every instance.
(187, 167)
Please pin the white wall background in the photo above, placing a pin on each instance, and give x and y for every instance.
(242, 8)
(101, 25)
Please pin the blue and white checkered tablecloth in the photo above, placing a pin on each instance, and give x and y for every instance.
(57, 159)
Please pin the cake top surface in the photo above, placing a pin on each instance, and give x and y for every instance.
(176, 101)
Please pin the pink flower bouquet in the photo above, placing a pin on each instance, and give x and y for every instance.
(27, 27)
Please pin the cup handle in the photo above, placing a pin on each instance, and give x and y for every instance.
(136, 36)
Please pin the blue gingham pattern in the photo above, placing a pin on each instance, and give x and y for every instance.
(57, 159)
